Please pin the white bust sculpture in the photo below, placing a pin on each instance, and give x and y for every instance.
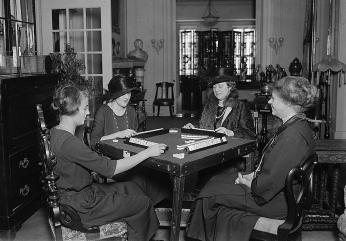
(138, 52)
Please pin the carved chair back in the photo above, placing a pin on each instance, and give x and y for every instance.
(299, 192)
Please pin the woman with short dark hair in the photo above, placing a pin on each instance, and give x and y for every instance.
(97, 203)
(230, 204)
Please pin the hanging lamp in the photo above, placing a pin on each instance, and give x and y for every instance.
(210, 19)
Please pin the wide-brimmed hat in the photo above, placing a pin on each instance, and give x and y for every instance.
(119, 85)
(223, 78)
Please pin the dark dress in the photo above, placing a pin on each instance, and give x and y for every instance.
(228, 211)
(97, 203)
(239, 120)
(106, 122)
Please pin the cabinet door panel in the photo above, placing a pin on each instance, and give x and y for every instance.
(24, 190)
(21, 120)
(25, 163)
(25, 175)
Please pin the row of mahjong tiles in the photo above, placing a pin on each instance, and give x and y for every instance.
(193, 142)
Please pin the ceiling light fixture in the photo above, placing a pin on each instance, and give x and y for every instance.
(210, 19)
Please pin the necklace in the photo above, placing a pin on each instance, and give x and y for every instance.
(291, 120)
(220, 111)
(115, 117)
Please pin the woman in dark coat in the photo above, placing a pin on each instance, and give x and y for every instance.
(97, 203)
(230, 204)
(224, 112)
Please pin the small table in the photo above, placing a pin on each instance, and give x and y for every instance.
(178, 169)
(329, 151)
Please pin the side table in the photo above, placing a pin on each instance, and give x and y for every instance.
(322, 215)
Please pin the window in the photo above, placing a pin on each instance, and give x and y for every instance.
(211, 50)
(244, 51)
(188, 52)
(17, 28)
(81, 27)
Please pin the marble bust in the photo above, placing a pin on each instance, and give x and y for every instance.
(138, 52)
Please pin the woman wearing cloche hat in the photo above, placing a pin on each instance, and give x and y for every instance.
(115, 119)
(224, 112)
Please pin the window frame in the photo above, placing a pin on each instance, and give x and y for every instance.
(9, 35)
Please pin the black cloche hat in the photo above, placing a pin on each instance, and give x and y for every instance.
(119, 85)
(223, 78)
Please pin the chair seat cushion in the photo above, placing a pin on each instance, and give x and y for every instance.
(268, 225)
(111, 230)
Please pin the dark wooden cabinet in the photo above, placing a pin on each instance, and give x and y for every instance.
(20, 192)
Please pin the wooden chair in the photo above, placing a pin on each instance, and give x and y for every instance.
(164, 96)
(87, 130)
(138, 102)
(64, 221)
(298, 190)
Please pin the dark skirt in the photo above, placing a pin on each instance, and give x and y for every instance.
(121, 201)
(227, 211)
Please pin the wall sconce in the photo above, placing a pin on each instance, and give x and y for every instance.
(276, 43)
(157, 44)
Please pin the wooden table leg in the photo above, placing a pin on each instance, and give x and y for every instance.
(178, 193)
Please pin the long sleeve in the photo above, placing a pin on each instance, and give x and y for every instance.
(245, 127)
(286, 152)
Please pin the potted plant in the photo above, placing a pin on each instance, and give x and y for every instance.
(68, 66)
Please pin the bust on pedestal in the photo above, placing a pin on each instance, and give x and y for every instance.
(138, 52)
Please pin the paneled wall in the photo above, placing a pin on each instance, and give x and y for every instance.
(154, 20)
(280, 18)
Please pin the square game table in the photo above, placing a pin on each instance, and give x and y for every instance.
(179, 168)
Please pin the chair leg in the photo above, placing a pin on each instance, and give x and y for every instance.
(171, 110)
(158, 110)
(153, 110)
(299, 236)
(145, 125)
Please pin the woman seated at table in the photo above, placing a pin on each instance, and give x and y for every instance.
(224, 112)
(229, 205)
(115, 119)
(97, 203)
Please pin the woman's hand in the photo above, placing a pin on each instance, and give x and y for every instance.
(155, 150)
(120, 134)
(188, 126)
(245, 179)
(224, 131)
(125, 133)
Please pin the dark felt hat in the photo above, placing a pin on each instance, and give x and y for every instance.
(119, 85)
(223, 78)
